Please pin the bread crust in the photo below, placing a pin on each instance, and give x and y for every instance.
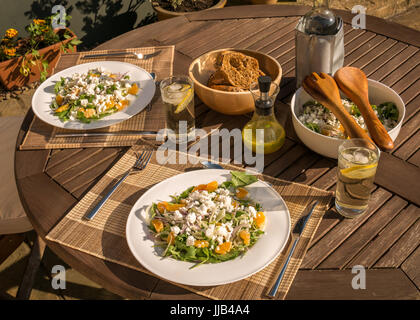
(235, 69)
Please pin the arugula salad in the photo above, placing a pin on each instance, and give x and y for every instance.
(209, 223)
(321, 120)
(92, 95)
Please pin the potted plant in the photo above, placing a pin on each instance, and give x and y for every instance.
(30, 59)
(166, 9)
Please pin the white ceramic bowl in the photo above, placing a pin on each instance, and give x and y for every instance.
(328, 146)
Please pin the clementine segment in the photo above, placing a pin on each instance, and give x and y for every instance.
(212, 186)
(241, 193)
(200, 187)
(133, 89)
(260, 219)
(245, 236)
(201, 243)
(223, 248)
(157, 224)
(171, 238)
(162, 206)
(174, 206)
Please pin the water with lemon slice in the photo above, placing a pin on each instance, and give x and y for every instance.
(178, 98)
(356, 174)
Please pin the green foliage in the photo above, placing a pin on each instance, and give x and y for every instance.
(41, 35)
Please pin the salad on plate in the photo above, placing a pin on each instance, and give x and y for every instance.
(92, 95)
(209, 223)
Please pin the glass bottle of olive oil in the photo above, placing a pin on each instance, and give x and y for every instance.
(263, 133)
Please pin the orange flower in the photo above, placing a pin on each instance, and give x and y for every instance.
(10, 33)
(39, 21)
(10, 51)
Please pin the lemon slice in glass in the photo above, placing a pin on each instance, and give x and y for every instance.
(186, 100)
(360, 171)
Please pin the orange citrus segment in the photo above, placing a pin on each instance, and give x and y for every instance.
(59, 99)
(171, 238)
(245, 236)
(162, 206)
(64, 107)
(174, 206)
(212, 186)
(223, 248)
(200, 187)
(241, 193)
(157, 224)
(260, 219)
(133, 89)
(201, 243)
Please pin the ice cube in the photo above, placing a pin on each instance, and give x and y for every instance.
(174, 87)
(361, 156)
(347, 156)
(175, 97)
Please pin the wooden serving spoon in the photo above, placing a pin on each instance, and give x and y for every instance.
(353, 82)
(323, 88)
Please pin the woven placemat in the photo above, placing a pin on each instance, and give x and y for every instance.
(104, 236)
(41, 135)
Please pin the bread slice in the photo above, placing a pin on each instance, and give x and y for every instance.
(239, 70)
(226, 88)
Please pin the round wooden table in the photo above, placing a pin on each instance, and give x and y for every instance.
(385, 241)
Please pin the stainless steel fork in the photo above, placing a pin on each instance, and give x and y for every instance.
(141, 163)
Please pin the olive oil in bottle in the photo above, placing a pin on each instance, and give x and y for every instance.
(263, 133)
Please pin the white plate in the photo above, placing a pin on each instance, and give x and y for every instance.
(265, 250)
(45, 94)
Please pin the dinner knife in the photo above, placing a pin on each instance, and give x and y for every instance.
(299, 227)
(105, 134)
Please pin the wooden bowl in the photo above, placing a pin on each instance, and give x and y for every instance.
(231, 103)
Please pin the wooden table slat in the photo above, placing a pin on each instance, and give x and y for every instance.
(401, 249)
(405, 182)
(387, 237)
(337, 235)
(411, 267)
(75, 160)
(86, 166)
(364, 49)
(386, 63)
(405, 75)
(60, 155)
(415, 159)
(363, 235)
(336, 285)
(409, 147)
(388, 44)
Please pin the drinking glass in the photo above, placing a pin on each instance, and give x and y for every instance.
(357, 163)
(178, 97)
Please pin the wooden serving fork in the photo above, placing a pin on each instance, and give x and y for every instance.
(353, 82)
(323, 88)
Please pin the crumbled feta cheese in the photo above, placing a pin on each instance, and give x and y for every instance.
(84, 102)
(191, 217)
(178, 215)
(175, 230)
(210, 231)
(190, 241)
